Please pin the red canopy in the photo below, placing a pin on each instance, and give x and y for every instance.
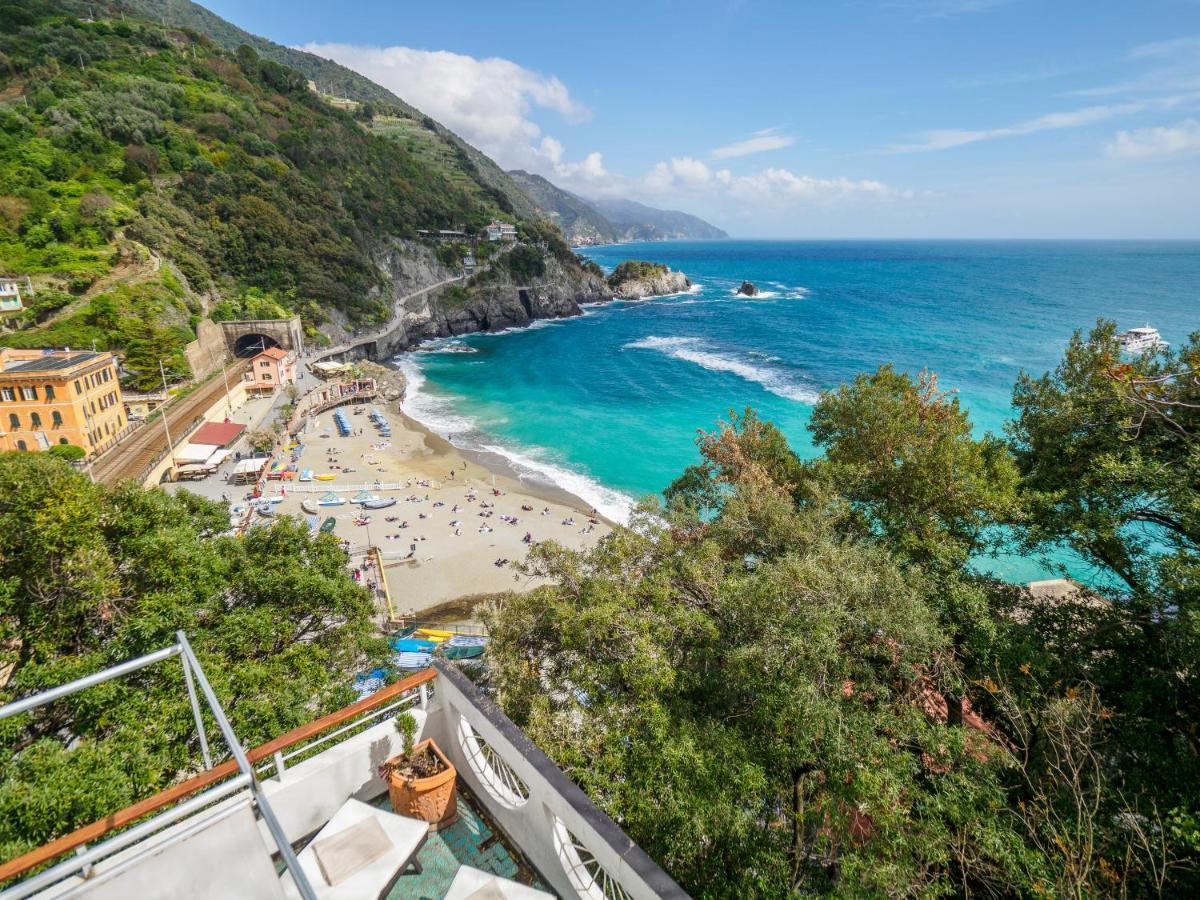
(222, 434)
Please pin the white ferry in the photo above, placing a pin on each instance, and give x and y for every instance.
(1141, 340)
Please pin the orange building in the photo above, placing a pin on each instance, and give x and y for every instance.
(50, 397)
(270, 370)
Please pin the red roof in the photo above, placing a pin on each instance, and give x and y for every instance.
(274, 353)
(222, 434)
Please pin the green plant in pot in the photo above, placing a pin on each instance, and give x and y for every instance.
(420, 778)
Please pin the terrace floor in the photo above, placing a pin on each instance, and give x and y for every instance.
(471, 841)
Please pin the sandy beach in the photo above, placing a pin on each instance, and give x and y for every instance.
(457, 515)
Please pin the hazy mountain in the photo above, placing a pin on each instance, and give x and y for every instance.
(578, 219)
(645, 223)
(609, 221)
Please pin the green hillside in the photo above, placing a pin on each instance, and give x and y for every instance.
(398, 118)
(144, 170)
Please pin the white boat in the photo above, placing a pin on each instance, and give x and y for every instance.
(1141, 340)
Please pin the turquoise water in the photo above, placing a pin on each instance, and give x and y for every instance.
(608, 404)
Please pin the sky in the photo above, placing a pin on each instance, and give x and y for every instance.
(832, 119)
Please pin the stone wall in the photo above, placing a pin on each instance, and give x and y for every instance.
(208, 351)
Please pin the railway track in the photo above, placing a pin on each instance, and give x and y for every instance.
(142, 448)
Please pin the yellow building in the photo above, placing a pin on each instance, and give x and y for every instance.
(50, 397)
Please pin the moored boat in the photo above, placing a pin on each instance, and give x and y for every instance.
(325, 476)
(379, 503)
(1141, 340)
(328, 525)
(309, 506)
(331, 499)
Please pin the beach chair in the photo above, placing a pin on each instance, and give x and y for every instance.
(475, 884)
(360, 853)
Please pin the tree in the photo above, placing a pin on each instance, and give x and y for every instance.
(261, 441)
(754, 696)
(901, 450)
(91, 576)
(1109, 456)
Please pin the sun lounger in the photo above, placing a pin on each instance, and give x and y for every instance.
(363, 850)
(475, 884)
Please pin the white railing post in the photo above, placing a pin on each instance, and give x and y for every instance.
(424, 693)
(280, 765)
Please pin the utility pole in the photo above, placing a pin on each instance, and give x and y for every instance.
(166, 427)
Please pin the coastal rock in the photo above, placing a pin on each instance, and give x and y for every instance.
(636, 279)
(748, 290)
(492, 301)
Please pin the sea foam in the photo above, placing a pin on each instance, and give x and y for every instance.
(693, 350)
(439, 416)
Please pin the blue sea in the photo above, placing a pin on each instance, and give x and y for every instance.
(608, 404)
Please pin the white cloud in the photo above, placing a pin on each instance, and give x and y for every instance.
(947, 138)
(784, 185)
(759, 142)
(1151, 143)
(691, 178)
(489, 102)
(1190, 45)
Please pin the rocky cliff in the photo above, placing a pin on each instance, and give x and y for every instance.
(493, 300)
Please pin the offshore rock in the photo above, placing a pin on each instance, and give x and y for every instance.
(748, 290)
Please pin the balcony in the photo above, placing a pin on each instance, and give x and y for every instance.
(240, 827)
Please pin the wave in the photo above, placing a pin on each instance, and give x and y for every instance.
(439, 415)
(445, 345)
(761, 295)
(784, 292)
(693, 350)
(610, 503)
(435, 413)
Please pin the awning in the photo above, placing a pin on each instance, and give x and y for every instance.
(247, 466)
(195, 453)
(222, 434)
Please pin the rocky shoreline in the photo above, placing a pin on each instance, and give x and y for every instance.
(494, 299)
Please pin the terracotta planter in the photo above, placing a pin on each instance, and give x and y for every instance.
(432, 798)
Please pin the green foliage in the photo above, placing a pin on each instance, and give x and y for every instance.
(901, 450)
(452, 253)
(252, 303)
(68, 452)
(406, 727)
(635, 270)
(91, 576)
(146, 318)
(524, 263)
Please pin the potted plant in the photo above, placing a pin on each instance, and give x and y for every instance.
(421, 779)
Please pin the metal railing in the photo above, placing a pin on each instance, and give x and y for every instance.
(81, 837)
(81, 863)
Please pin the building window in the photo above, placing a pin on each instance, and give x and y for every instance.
(7, 394)
(14, 421)
(78, 389)
(93, 404)
(21, 445)
(266, 376)
(49, 393)
(56, 420)
(35, 421)
(28, 393)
